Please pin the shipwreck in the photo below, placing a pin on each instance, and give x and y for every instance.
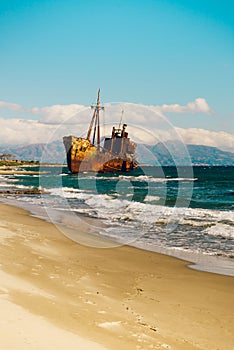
(115, 153)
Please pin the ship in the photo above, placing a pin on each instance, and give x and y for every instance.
(115, 153)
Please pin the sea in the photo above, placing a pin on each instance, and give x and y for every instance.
(180, 211)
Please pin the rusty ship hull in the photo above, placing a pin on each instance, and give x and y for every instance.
(82, 156)
(87, 154)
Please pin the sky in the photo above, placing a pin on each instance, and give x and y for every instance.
(176, 56)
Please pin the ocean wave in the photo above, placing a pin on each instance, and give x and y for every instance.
(66, 192)
(7, 178)
(222, 230)
(151, 198)
(193, 216)
(14, 186)
(4, 184)
(140, 178)
(147, 216)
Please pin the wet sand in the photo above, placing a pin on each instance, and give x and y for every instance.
(55, 293)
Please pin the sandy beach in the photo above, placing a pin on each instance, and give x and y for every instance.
(55, 293)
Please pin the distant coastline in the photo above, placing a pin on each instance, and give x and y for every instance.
(160, 153)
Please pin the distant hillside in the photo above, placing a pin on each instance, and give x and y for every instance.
(210, 155)
(200, 155)
(53, 152)
(160, 154)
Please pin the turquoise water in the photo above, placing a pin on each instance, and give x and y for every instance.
(213, 187)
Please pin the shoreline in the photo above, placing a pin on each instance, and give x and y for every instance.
(195, 260)
(120, 297)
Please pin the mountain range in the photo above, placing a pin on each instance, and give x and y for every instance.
(165, 154)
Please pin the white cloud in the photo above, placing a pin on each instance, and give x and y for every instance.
(12, 106)
(59, 120)
(57, 114)
(79, 114)
(195, 136)
(16, 131)
(200, 105)
(76, 113)
(220, 139)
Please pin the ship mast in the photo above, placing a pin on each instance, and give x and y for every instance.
(121, 119)
(95, 121)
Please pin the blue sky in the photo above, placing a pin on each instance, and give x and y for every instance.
(152, 52)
